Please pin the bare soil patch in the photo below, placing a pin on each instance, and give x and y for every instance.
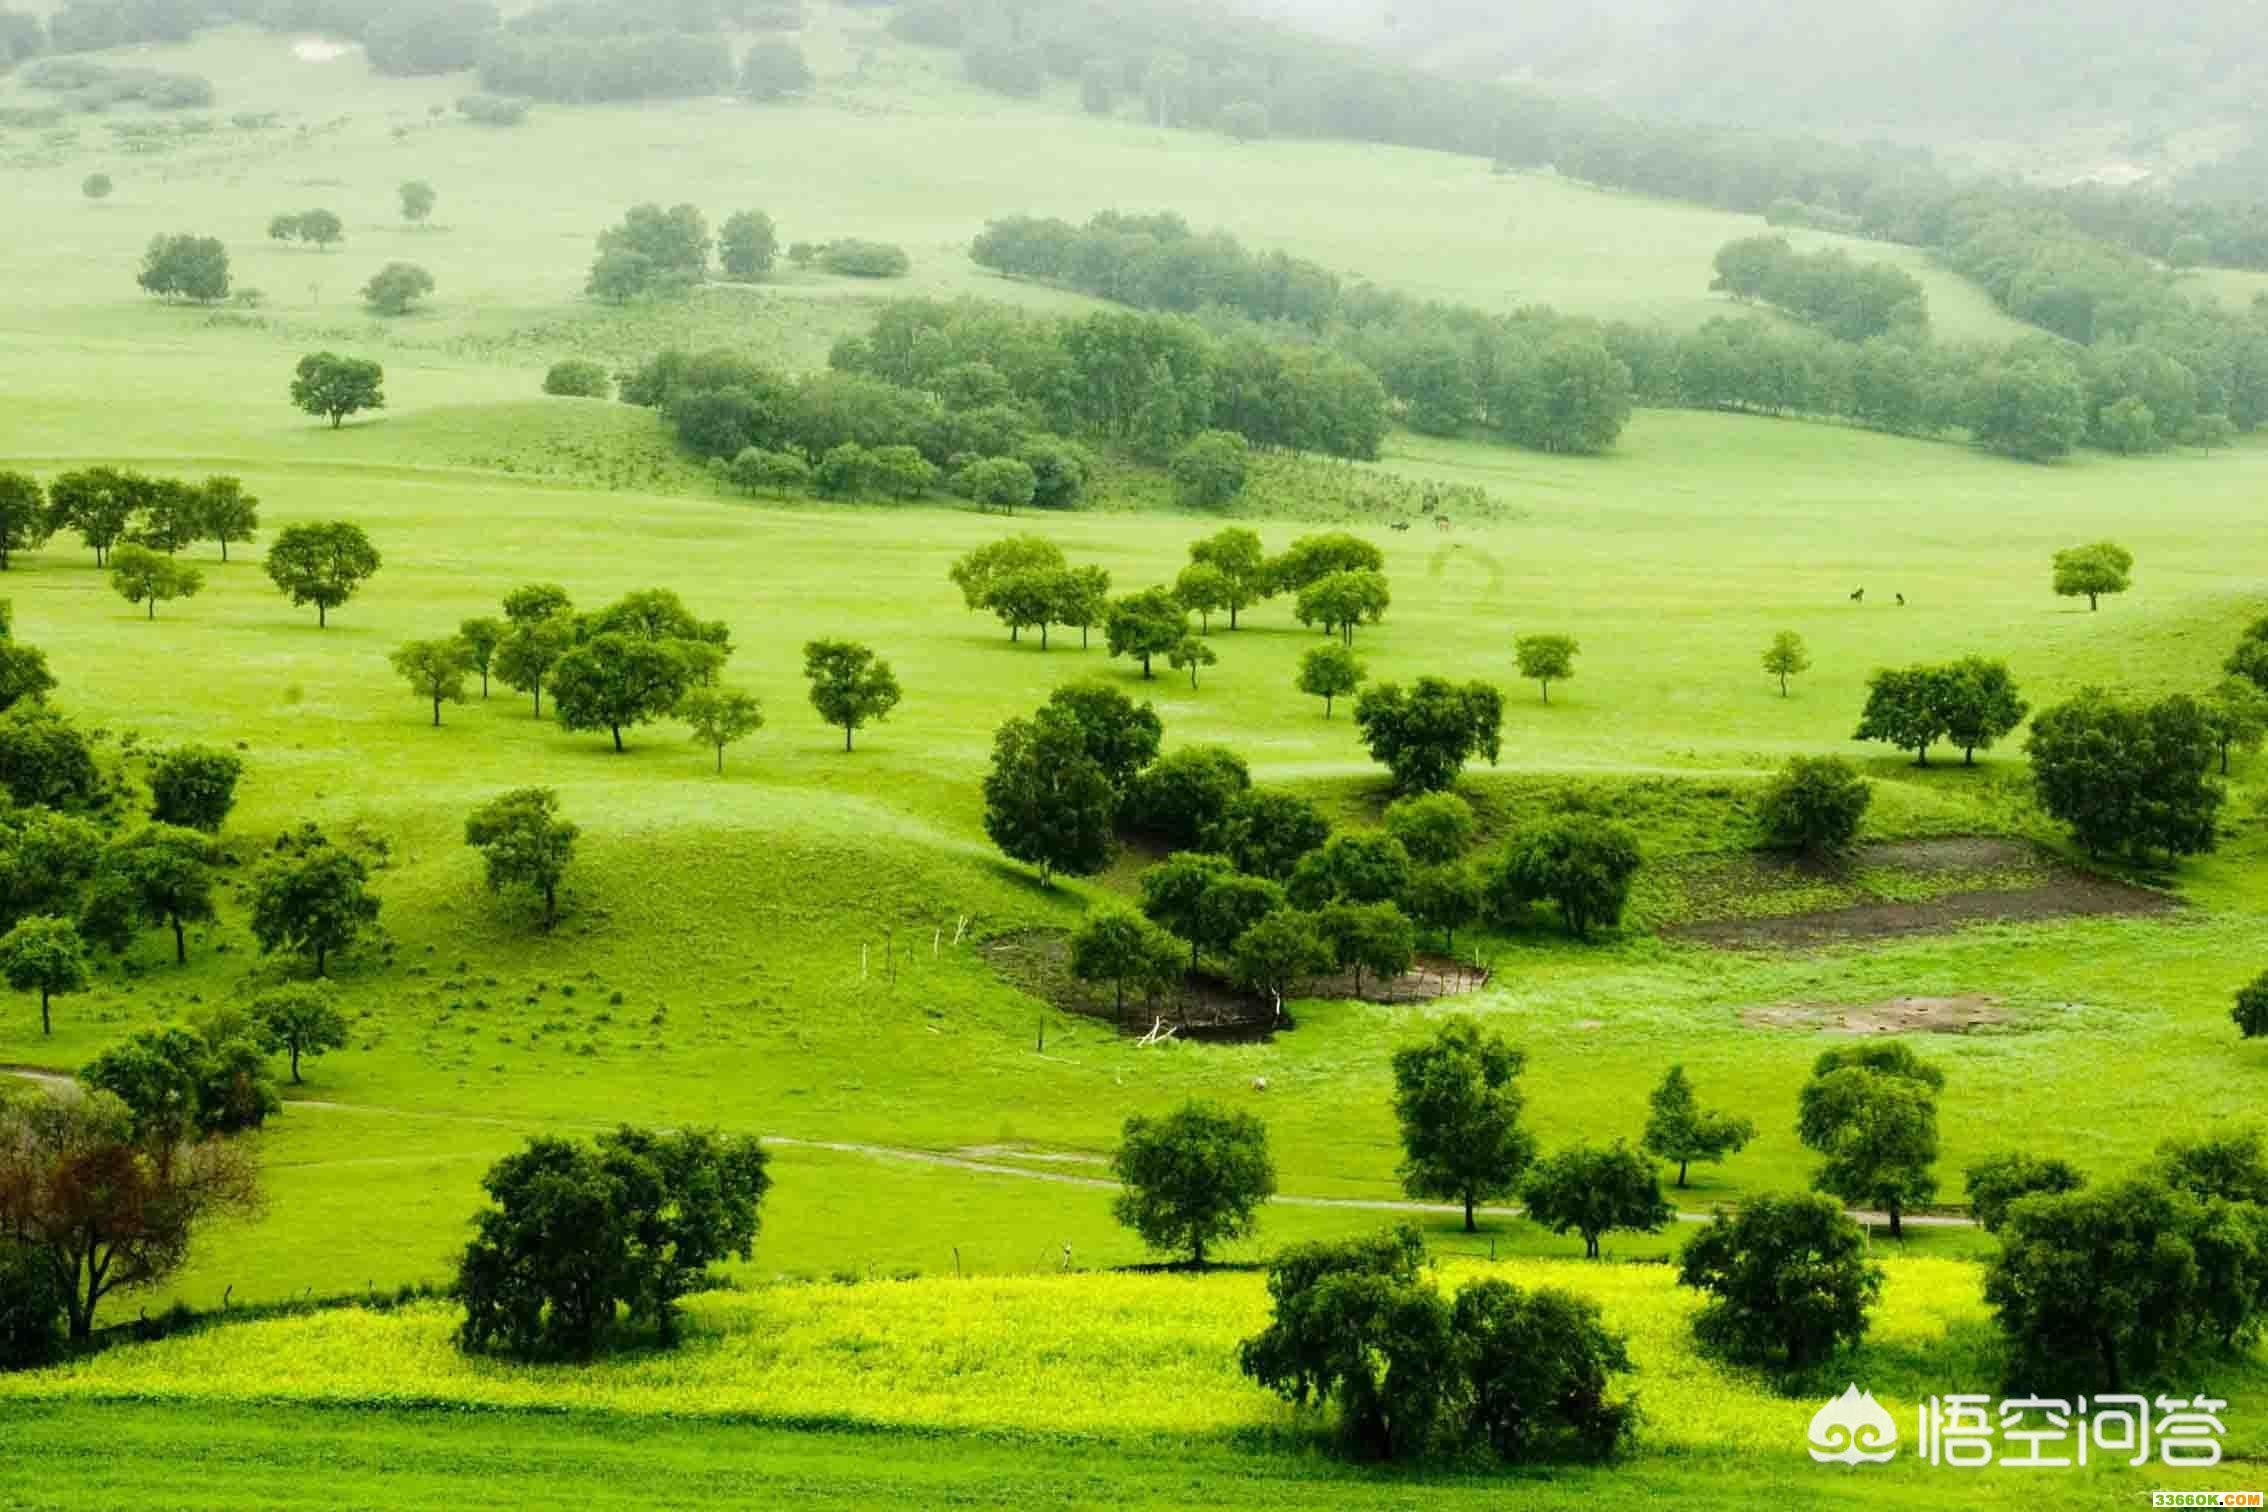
(1900, 1015)
(1202, 1006)
(2012, 882)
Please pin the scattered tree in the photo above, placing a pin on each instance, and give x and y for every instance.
(532, 648)
(435, 670)
(1594, 1191)
(581, 378)
(1203, 589)
(159, 877)
(1786, 657)
(2237, 711)
(194, 787)
(2090, 572)
(1814, 805)
(1191, 653)
(311, 898)
(1173, 893)
(96, 186)
(393, 289)
(44, 954)
(2251, 1010)
(194, 268)
(418, 200)
(1580, 862)
(97, 502)
(335, 387)
(1788, 1281)
(142, 576)
(1458, 1104)
(1546, 659)
(2133, 778)
(1446, 897)
(1210, 469)
(1236, 552)
(576, 1234)
(299, 1019)
(746, 245)
(721, 717)
(1426, 735)
(850, 685)
(1872, 1111)
(525, 843)
(1329, 673)
(1146, 624)
(1195, 1178)
(230, 514)
(1119, 946)
(1680, 1130)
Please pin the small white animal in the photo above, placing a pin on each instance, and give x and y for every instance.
(1259, 1084)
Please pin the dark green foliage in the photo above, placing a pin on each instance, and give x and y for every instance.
(773, 70)
(1582, 863)
(1813, 805)
(1118, 946)
(187, 267)
(576, 1234)
(523, 842)
(421, 38)
(578, 378)
(1047, 800)
(1121, 736)
(100, 503)
(1230, 907)
(1210, 469)
(2251, 1010)
(747, 243)
(1458, 1101)
(1352, 867)
(178, 1082)
(417, 200)
(1173, 893)
(24, 521)
(24, 678)
(1267, 833)
(1275, 956)
(229, 513)
(45, 760)
(335, 387)
(864, 259)
(434, 669)
(2090, 572)
(1373, 937)
(618, 680)
(1445, 898)
(1788, 1281)
(1193, 1179)
(1425, 735)
(1343, 600)
(1850, 300)
(1594, 1191)
(1236, 554)
(1681, 1131)
(311, 898)
(31, 1307)
(1535, 1367)
(159, 877)
(393, 289)
(1972, 702)
(2127, 777)
(1184, 797)
(1434, 828)
(1999, 1179)
(641, 65)
(652, 251)
(2249, 660)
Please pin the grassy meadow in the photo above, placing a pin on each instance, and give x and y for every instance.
(708, 967)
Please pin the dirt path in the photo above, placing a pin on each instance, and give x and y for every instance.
(976, 1162)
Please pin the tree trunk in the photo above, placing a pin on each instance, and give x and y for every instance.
(539, 700)
(1145, 664)
(224, 550)
(847, 735)
(322, 617)
(1326, 706)
(338, 419)
(295, 1063)
(1590, 1246)
(1783, 684)
(1043, 635)
(1470, 1226)
(550, 904)
(1547, 690)
(437, 712)
(322, 953)
(720, 761)
(153, 607)
(1232, 616)
(1681, 1173)
(180, 944)
(1895, 1231)
(1968, 755)
(1015, 634)
(484, 683)
(46, 1025)
(2092, 606)
(617, 729)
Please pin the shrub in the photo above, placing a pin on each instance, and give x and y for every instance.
(1814, 805)
(578, 378)
(864, 259)
(1788, 1280)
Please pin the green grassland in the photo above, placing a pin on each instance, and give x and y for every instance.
(708, 967)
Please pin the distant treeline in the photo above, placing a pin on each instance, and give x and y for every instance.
(1183, 63)
(1847, 299)
(1542, 379)
(970, 381)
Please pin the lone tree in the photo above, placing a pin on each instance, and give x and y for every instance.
(1193, 1179)
(1814, 805)
(1546, 659)
(1119, 946)
(1047, 801)
(525, 843)
(576, 1234)
(24, 521)
(1330, 673)
(311, 898)
(322, 565)
(2090, 572)
(1786, 657)
(194, 268)
(747, 244)
(1425, 735)
(1680, 1130)
(106, 1208)
(44, 954)
(143, 576)
(1595, 1191)
(1871, 1110)
(396, 287)
(299, 1019)
(418, 200)
(2131, 778)
(435, 669)
(1145, 625)
(850, 685)
(334, 387)
(1458, 1104)
(194, 786)
(1787, 1279)
(230, 514)
(721, 717)
(96, 186)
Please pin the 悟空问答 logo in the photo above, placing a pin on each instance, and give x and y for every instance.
(1853, 1429)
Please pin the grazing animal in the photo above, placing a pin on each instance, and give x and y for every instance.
(1259, 1084)
(1859, 597)
(1399, 525)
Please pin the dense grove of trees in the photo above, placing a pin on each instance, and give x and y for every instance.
(1850, 300)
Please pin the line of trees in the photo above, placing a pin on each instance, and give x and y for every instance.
(1848, 299)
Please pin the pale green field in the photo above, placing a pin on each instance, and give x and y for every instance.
(708, 967)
